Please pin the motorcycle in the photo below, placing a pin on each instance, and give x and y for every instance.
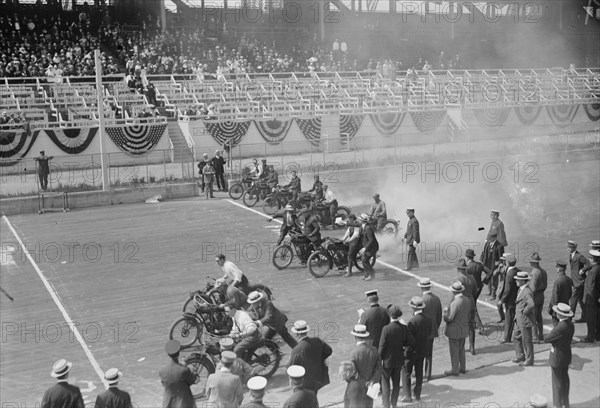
(389, 227)
(333, 252)
(236, 190)
(259, 190)
(321, 211)
(298, 246)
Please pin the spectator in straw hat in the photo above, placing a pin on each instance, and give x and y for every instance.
(419, 327)
(538, 284)
(577, 263)
(561, 291)
(302, 396)
(368, 365)
(433, 310)
(525, 320)
(223, 388)
(270, 318)
(256, 385)
(311, 353)
(239, 367)
(591, 298)
(456, 316)
(62, 394)
(176, 379)
(113, 397)
(560, 354)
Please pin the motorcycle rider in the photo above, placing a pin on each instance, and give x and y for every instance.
(232, 274)
(311, 231)
(273, 179)
(295, 185)
(332, 202)
(265, 170)
(290, 222)
(379, 212)
(317, 189)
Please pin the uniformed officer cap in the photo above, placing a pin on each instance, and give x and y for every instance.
(257, 383)
(296, 371)
(226, 343)
(495, 212)
(561, 263)
(228, 357)
(372, 292)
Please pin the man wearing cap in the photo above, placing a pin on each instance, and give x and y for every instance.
(476, 269)
(470, 285)
(265, 170)
(375, 317)
(113, 397)
(218, 163)
(311, 231)
(433, 311)
(456, 316)
(176, 379)
(311, 353)
(244, 331)
(367, 362)
(538, 284)
(560, 354)
(256, 385)
(525, 320)
(295, 185)
(229, 294)
(352, 239)
(273, 179)
(269, 317)
(239, 367)
(223, 388)
(370, 245)
(497, 227)
(490, 257)
(331, 200)
(201, 168)
(508, 299)
(412, 237)
(62, 394)
(290, 222)
(379, 212)
(577, 263)
(43, 169)
(591, 299)
(208, 172)
(317, 189)
(302, 396)
(419, 327)
(561, 291)
(395, 337)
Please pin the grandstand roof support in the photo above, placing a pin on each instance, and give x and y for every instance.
(101, 134)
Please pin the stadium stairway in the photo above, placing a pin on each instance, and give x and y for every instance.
(182, 152)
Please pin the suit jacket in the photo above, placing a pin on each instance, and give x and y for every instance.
(490, 256)
(561, 291)
(457, 318)
(63, 395)
(560, 337)
(509, 294)
(268, 314)
(394, 338)
(218, 164)
(113, 398)
(281, 214)
(311, 354)
(501, 272)
(369, 241)
(470, 287)
(433, 310)
(538, 284)
(176, 379)
(591, 286)
(498, 227)
(525, 307)
(224, 389)
(295, 184)
(302, 398)
(419, 327)
(375, 318)
(476, 269)
(412, 231)
(577, 263)
(367, 362)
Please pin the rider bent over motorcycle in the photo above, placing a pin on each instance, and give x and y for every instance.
(245, 331)
(379, 212)
(290, 222)
(311, 233)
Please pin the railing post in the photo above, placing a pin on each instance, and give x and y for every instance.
(147, 169)
(164, 167)
(182, 171)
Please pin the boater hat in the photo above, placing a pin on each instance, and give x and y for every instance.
(535, 257)
(417, 302)
(300, 327)
(60, 368)
(457, 287)
(563, 309)
(595, 253)
(254, 297)
(112, 376)
(424, 283)
(360, 330)
(522, 276)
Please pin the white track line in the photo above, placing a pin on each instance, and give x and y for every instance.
(395, 268)
(60, 306)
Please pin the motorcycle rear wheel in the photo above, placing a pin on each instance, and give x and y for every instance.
(319, 264)
(283, 256)
(250, 199)
(271, 205)
(201, 366)
(236, 191)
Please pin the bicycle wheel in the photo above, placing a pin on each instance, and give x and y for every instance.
(236, 191)
(190, 307)
(319, 264)
(185, 330)
(270, 206)
(358, 260)
(283, 256)
(250, 198)
(201, 367)
(390, 228)
(264, 358)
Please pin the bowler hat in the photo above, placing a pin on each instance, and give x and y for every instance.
(470, 253)
(457, 287)
(417, 302)
(535, 257)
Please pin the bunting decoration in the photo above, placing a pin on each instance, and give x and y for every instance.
(12, 142)
(273, 131)
(427, 121)
(387, 123)
(562, 115)
(136, 140)
(492, 117)
(349, 124)
(72, 141)
(228, 132)
(528, 114)
(592, 111)
(311, 129)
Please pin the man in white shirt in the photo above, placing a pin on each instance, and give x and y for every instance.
(331, 200)
(244, 331)
(379, 211)
(232, 274)
(352, 239)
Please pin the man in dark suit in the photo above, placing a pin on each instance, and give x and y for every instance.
(591, 298)
(113, 397)
(490, 257)
(218, 163)
(177, 379)
(456, 317)
(561, 291)
(577, 263)
(560, 354)
(419, 327)
(268, 316)
(375, 317)
(302, 396)
(433, 310)
(497, 227)
(201, 165)
(412, 237)
(525, 320)
(501, 275)
(509, 298)
(477, 270)
(290, 222)
(311, 354)
(367, 362)
(470, 292)
(538, 284)
(62, 394)
(394, 339)
(369, 244)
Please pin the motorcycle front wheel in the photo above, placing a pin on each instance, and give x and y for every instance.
(319, 264)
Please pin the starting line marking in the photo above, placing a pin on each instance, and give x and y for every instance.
(60, 306)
